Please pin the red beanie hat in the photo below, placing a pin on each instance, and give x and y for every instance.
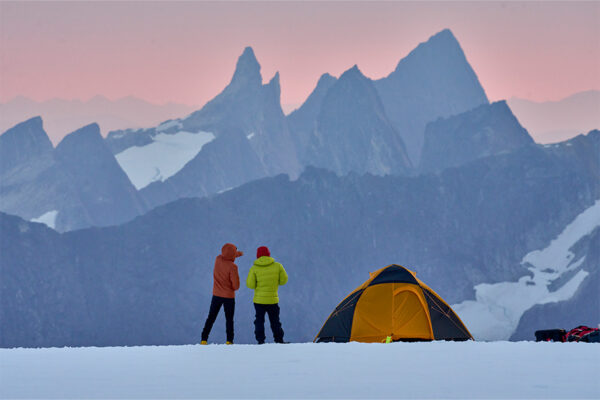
(263, 251)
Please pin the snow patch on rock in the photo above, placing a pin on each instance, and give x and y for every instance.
(163, 158)
(498, 307)
(48, 219)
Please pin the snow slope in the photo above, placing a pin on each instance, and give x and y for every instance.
(498, 307)
(354, 370)
(49, 219)
(162, 158)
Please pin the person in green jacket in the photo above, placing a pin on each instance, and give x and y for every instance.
(265, 277)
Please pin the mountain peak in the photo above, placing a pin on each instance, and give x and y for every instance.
(248, 53)
(483, 131)
(31, 123)
(23, 142)
(441, 45)
(444, 34)
(275, 79)
(325, 79)
(89, 134)
(30, 130)
(353, 73)
(247, 69)
(434, 80)
(274, 87)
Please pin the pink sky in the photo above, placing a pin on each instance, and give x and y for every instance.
(186, 52)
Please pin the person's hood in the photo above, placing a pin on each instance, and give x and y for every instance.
(230, 252)
(264, 261)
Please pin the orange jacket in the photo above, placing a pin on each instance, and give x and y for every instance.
(226, 277)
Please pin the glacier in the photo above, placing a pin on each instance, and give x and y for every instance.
(498, 307)
(163, 158)
(48, 219)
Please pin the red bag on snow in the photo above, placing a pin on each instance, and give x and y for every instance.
(583, 334)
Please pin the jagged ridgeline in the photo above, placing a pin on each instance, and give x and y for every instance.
(417, 168)
(350, 124)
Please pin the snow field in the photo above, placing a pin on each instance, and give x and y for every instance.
(163, 158)
(498, 307)
(49, 219)
(353, 370)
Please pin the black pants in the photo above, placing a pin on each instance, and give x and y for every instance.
(215, 306)
(259, 322)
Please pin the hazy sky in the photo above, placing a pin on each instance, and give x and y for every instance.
(186, 52)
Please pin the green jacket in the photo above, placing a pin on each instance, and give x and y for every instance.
(265, 277)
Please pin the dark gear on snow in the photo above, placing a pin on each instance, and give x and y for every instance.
(550, 335)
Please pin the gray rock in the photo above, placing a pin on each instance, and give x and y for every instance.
(352, 132)
(80, 179)
(105, 194)
(434, 80)
(483, 131)
(303, 121)
(22, 144)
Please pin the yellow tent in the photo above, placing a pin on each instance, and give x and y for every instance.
(392, 304)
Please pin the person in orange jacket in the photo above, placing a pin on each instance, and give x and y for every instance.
(226, 282)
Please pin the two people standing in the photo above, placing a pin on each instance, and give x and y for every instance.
(265, 277)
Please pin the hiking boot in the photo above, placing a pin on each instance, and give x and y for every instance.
(204, 342)
(228, 342)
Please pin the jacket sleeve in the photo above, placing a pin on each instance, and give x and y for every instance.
(234, 277)
(283, 276)
(251, 280)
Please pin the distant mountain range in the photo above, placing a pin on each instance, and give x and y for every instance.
(555, 121)
(350, 124)
(75, 185)
(63, 116)
(430, 113)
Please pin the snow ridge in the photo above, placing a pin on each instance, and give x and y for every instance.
(498, 307)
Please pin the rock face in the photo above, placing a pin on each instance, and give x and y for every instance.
(103, 189)
(252, 139)
(348, 125)
(303, 121)
(77, 185)
(22, 144)
(352, 132)
(483, 131)
(255, 109)
(434, 80)
(461, 227)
